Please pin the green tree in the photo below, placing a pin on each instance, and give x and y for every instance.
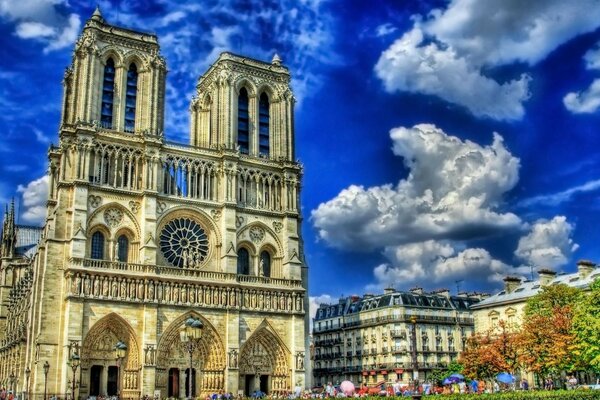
(586, 328)
(546, 339)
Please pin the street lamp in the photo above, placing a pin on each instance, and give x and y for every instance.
(190, 334)
(415, 362)
(26, 391)
(12, 378)
(74, 362)
(46, 368)
(120, 353)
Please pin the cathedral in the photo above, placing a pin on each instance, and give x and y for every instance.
(162, 269)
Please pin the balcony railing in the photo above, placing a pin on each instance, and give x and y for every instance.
(153, 270)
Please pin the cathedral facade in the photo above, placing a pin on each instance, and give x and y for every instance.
(143, 234)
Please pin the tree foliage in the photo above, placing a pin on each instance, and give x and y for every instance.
(586, 328)
(487, 354)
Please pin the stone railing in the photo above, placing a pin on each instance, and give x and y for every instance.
(186, 273)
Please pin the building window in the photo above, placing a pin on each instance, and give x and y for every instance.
(122, 248)
(263, 125)
(265, 264)
(130, 98)
(108, 93)
(243, 262)
(243, 122)
(184, 243)
(97, 252)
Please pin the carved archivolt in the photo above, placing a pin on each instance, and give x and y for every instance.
(208, 355)
(258, 232)
(264, 353)
(98, 348)
(127, 219)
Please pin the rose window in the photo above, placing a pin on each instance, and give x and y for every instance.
(184, 243)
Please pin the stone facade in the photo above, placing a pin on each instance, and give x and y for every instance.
(370, 339)
(142, 234)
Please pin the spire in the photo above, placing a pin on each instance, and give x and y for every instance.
(276, 60)
(97, 15)
(9, 232)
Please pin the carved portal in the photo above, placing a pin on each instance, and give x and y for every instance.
(208, 358)
(265, 354)
(98, 349)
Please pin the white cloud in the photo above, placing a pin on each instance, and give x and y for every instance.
(413, 66)
(446, 53)
(437, 264)
(41, 20)
(385, 29)
(548, 244)
(584, 102)
(555, 199)
(40, 137)
(29, 30)
(453, 191)
(35, 195)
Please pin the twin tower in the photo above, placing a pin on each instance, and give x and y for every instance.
(143, 235)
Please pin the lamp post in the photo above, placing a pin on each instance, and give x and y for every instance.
(74, 362)
(26, 391)
(120, 353)
(46, 368)
(415, 362)
(12, 379)
(190, 334)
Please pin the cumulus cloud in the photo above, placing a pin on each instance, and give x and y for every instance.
(586, 101)
(413, 66)
(437, 263)
(35, 195)
(316, 301)
(454, 44)
(41, 20)
(453, 191)
(385, 29)
(548, 243)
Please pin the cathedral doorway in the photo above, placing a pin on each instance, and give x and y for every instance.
(264, 363)
(98, 362)
(112, 381)
(173, 389)
(95, 377)
(173, 361)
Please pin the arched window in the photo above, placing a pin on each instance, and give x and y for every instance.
(97, 252)
(130, 96)
(263, 125)
(108, 93)
(243, 262)
(265, 264)
(122, 248)
(243, 122)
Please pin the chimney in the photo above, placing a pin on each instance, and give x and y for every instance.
(389, 290)
(416, 290)
(585, 267)
(511, 283)
(546, 276)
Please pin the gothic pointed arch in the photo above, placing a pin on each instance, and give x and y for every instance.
(264, 353)
(99, 348)
(208, 356)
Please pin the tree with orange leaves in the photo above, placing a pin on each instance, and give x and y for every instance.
(487, 354)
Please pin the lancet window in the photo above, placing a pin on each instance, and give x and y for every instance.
(243, 262)
(265, 264)
(97, 249)
(122, 248)
(263, 125)
(108, 92)
(243, 122)
(188, 178)
(130, 98)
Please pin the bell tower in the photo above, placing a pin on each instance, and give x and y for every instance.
(116, 80)
(245, 105)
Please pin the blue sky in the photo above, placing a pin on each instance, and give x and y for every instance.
(442, 141)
